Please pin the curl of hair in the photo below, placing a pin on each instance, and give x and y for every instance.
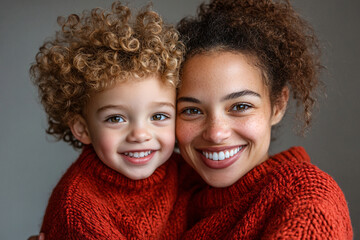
(284, 45)
(94, 50)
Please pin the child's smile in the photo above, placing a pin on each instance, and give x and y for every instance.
(139, 157)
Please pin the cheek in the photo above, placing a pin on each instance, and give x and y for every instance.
(190, 156)
(166, 136)
(185, 132)
(105, 141)
(254, 129)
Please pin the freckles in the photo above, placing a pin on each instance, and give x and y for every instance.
(253, 128)
(185, 132)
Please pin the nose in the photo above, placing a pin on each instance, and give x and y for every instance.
(138, 134)
(216, 131)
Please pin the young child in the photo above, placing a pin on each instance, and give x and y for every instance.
(107, 84)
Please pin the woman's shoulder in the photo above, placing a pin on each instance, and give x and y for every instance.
(303, 191)
(293, 170)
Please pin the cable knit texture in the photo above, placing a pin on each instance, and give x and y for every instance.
(92, 201)
(286, 197)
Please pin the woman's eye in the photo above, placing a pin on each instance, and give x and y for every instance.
(115, 119)
(191, 111)
(159, 117)
(241, 107)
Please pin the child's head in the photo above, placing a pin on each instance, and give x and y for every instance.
(109, 80)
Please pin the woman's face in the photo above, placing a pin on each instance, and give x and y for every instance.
(224, 116)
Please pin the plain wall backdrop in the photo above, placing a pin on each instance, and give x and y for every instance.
(31, 163)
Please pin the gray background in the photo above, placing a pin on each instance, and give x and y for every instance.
(31, 162)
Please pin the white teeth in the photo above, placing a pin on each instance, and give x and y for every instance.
(137, 154)
(222, 155)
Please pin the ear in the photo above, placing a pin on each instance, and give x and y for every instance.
(80, 130)
(279, 107)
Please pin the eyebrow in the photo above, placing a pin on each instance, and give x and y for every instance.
(103, 108)
(227, 97)
(165, 104)
(240, 94)
(188, 99)
(155, 104)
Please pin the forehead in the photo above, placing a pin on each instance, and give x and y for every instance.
(216, 72)
(146, 89)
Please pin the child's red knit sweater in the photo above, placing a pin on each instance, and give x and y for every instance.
(286, 197)
(92, 201)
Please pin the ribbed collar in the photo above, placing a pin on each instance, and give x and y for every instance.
(93, 165)
(210, 197)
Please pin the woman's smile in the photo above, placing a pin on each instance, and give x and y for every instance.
(217, 159)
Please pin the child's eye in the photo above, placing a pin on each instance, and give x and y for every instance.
(240, 107)
(115, 119)
(159, 117)
(191, 111)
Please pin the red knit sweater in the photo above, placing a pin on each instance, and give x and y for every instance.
(92, 201)
(286, 197)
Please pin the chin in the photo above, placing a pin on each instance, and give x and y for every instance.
(219, 181)
(140, 176)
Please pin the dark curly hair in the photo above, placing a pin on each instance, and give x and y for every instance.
(93, 51)
(284, 45)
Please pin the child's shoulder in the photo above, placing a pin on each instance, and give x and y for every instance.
(74, 203)
(75, 182)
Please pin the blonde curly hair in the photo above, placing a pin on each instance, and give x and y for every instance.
(93, 51)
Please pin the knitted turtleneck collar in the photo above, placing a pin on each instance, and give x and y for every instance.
(210, 197)
(91, 162)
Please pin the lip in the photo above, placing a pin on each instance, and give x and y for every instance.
(222, 163)
(218, 149)
(139, 161)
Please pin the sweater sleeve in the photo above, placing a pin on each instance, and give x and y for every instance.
(73, 213)
(314, 209)
(314, 221)
(77, 219)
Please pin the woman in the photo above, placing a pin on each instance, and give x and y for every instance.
(244, 59)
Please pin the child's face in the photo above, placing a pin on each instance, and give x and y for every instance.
(132, 125)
